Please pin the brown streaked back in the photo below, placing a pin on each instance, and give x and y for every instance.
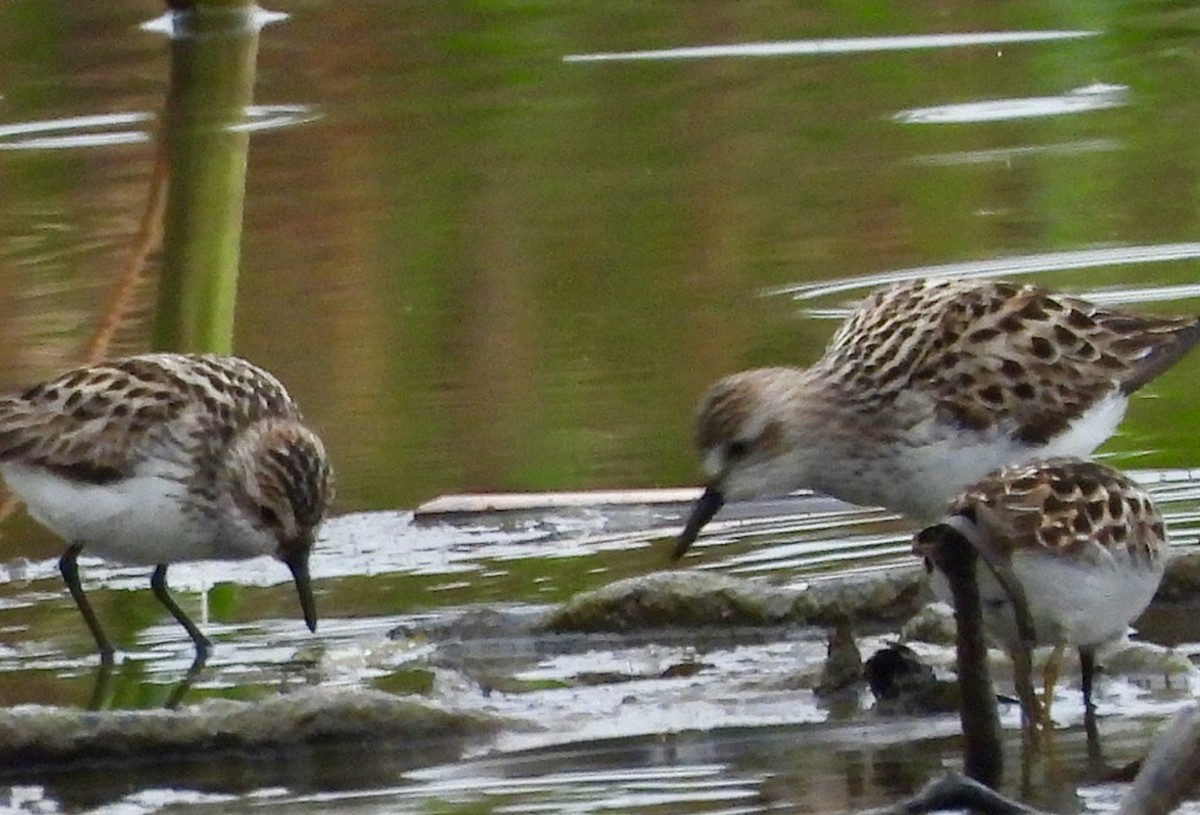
(999, 354)
(1063, 506)
(96, 423)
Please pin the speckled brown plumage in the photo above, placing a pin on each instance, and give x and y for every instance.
(990, 353)
(1079, 546)
(928, 386)
(1068, 508)
(726, 407)
(162, 458)
(99, 422)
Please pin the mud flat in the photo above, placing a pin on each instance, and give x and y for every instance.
(38, 736)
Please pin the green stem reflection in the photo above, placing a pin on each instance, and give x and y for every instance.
(213, 56)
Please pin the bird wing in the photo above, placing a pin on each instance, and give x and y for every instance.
(1064, 507)
(97, 423)
(992, 354)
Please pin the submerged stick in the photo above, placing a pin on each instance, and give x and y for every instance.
(1168, 773)
(955, 792)
(983, 758)
(1167, 777)
(149, 239)
(1033, 712)
(214, 53)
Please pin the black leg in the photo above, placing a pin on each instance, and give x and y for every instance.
(1087, 665)
(185, 684)
(70, 573)
(102, 690)
(158, 585)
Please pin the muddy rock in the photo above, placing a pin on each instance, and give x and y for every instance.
(317, 717)
(903, 684)
(933, 624)
(1163, 667)
(885, 597)
(671, 599)
(1181, 583)
(843, 668)
(472, 624)
(700, 599)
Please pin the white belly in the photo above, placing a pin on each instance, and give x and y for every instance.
(136, 520)
(940, 465)
(1071, 603)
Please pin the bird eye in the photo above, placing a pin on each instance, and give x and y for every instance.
(269, 516)
(737, 449)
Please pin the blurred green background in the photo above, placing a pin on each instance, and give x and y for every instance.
(479, 267)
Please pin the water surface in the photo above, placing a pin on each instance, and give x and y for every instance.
(488, 250)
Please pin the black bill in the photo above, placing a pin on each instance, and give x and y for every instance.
(298, 563)
(706, 507)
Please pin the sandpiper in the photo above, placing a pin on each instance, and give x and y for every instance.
(163, 458)
(927, 387)
(1082, 543)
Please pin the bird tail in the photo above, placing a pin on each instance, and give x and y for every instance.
(1182, 337)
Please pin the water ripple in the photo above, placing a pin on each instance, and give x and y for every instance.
(1005, 155)
(177, 24)
(847, 45)
(1016, 265)
(274, 117)
(1097, 96)
(108, 129)
(102, 130)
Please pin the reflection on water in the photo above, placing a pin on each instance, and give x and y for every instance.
(103, 130)
(106, 130)
(480, 266)
(1096, 96)
(170, 23)
(1024, 265)
(1006, 155)
(850, 45)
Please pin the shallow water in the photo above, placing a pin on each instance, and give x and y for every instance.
(484, 259)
